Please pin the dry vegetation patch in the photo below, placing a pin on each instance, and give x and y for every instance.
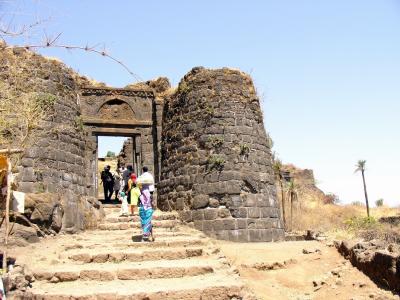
(348, 222)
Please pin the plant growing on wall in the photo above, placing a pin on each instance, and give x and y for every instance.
(244, 149)
(183, 88)
(21, 114)
(215, 162)
(216, 141)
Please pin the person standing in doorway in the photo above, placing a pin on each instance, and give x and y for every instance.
(108, 183)
(117, 183)
(134, 192)
(126, 175)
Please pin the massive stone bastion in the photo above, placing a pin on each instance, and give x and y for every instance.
(216, 161)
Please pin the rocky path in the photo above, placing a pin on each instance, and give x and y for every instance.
(112, 263)
(302, 270)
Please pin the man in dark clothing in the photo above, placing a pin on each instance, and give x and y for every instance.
(125, 177)
(108, 183)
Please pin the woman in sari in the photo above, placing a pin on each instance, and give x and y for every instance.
(146, 207)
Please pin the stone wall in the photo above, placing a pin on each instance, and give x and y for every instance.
(125, 157)
(54, 159)
(379, 261)
(216, 161)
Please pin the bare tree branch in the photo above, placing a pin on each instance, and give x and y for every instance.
(7, 31)
(51, 43)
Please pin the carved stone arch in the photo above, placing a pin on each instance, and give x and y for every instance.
(116, 109)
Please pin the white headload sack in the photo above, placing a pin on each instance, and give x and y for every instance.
(146, 178)
(18, 204)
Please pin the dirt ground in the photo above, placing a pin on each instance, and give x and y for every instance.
(300, 270)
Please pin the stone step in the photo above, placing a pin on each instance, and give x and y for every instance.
(115, 218)
(129, 243)
(127, 225)
(211, 286)
(133, 255)
(127, 234)
(126, 271)
(112, 206)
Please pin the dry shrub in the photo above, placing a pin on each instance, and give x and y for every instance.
(323, 217)
(347, 221)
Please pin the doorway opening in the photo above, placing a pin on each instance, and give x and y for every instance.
(114, 153)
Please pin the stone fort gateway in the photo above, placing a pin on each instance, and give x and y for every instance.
(204, 141)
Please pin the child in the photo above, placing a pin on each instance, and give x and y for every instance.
(124, 204)
(134, 193)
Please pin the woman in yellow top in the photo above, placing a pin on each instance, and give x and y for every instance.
(134, 191)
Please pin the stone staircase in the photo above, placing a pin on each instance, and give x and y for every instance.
(112, 263)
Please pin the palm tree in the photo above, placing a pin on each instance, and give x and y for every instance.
(277, 166)
(292, 196)
(361, 167)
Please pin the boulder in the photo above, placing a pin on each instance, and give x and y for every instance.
(200, 201)
(56, 218)
(41, 206)
(25, 233)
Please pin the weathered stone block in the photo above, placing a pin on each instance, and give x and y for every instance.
(254, 212)
(218, 225)
(266, 235)
(250, 200)
(28, 175)
(186, 216)
(208, 225)
(262, 202)
(254, 235)
(265, 212)
(211, 213)
(198, 225)
(222, 235)
(236, 201)
(26, 187)
(242, 223)
(233, 235)
(230, 224)
(251, 223)
(278, 235)
(27, 162)
(198, 214)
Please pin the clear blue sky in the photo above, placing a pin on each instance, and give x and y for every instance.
(327, 71)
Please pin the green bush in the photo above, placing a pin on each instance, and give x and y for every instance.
(110, 154)
(379, 202)
(361, 223)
